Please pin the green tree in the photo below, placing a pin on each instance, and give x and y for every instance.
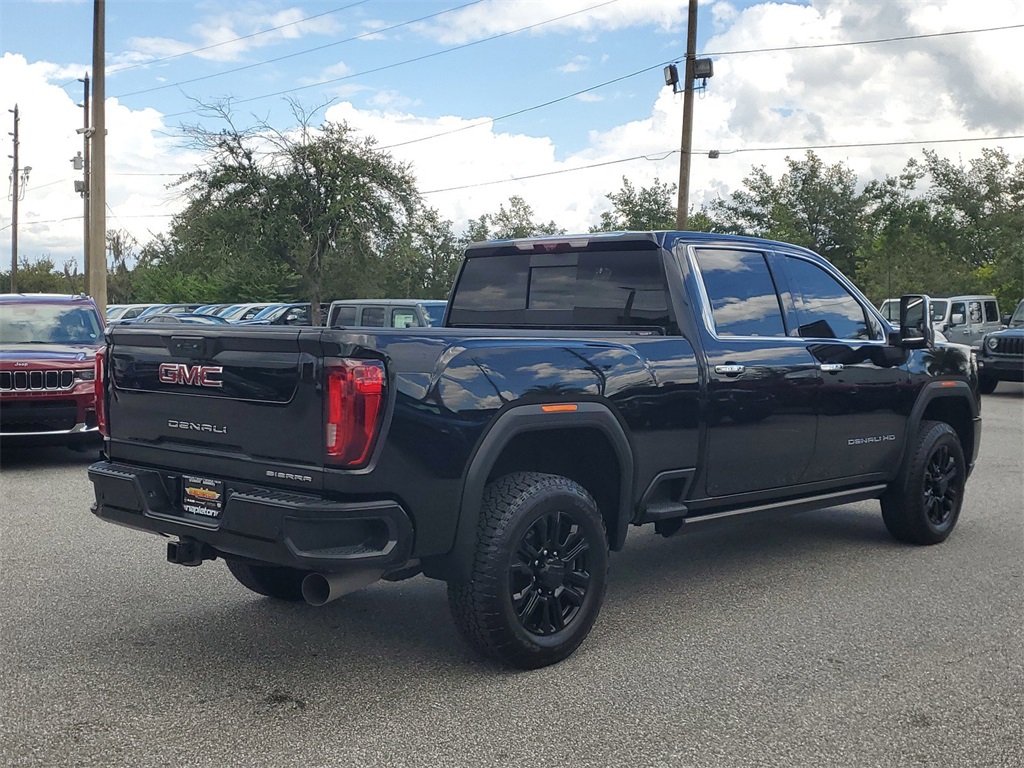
(43, 276)
(514, 221)
(301, 198)
(647, 208)
(901, 252)
(423, 260)
(812, 205)
(979, 215)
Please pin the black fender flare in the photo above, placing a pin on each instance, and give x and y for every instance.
(532, 418)
(935, 390)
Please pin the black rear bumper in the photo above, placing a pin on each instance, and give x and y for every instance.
(259, 524)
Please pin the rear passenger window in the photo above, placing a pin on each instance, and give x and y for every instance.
(991, 312)
(825, 308)
(403, 318)
(742, 293)
(373, 317)
(344, 316)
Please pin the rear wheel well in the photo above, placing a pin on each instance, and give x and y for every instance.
(955, 412)
(582, 454)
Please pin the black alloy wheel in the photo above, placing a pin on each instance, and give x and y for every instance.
(941, 490)
(548, 578)
(538, 574)
(923, 503)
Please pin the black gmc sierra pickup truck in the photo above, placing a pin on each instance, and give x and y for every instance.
(578, 385)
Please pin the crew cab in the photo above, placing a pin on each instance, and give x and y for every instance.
(579, 385)
(48, 344)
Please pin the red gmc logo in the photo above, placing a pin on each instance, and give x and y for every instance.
(196, 375)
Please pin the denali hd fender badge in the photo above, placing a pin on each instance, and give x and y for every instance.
(196, 427)
(869, 440)
(196, 375)
(289, 476)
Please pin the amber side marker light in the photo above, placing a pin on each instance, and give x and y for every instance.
(563, 408)
(948, 384)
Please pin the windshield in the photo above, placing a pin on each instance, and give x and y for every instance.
(435, 312)
(115, 312)
(890, 310)
(1018, 315)
(48, 324)
(270, 313)
(235, 312)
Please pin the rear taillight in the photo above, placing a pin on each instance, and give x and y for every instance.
(353, 411)
(101, 396)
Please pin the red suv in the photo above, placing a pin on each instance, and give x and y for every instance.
(48, 347)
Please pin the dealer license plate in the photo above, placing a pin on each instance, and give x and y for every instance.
(202, 497)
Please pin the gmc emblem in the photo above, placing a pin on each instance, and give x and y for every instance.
(195, 375)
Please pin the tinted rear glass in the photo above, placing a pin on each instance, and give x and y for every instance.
(344, 316)
(742, 293)
(592, 288)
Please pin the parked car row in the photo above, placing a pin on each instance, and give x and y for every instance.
(964, 319)
(974, 320)
(348, 313)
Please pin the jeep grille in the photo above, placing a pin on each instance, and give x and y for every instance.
(36, 381)
(1009, 346)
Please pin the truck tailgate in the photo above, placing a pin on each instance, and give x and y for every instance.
(237, 402)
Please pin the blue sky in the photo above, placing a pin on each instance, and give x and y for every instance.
(465, 65)
(538, 52)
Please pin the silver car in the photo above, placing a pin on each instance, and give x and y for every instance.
(963, 319)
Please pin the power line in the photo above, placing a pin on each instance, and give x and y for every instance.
(300, 53)
(400, 63)
(518, 112)
(904, 38)
(492, 120)
(668, 153)
(651, 157)
(233, 40)
(74, 218)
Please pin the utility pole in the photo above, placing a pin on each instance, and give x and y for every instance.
(15, 175)
(682, 209)
(96, 272)
(86, 143)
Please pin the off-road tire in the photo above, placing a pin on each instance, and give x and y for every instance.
(542, 535)
(276, 581)
(923, 504)
(987, 384)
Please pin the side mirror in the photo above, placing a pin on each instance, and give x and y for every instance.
(915, 327)
(956, 319)
(1004, 320)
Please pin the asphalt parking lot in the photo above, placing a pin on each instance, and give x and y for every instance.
(812, 640)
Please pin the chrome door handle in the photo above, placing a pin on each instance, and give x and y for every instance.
(831, 367)
(730, 370)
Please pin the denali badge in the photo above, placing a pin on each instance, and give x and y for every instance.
(196, 375)
(867, 440)
(197, 427)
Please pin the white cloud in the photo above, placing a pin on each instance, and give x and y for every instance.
(50, 215)
(218, 34)
(498, 16)
(578, 64)
(341, 69)
(953, 87)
